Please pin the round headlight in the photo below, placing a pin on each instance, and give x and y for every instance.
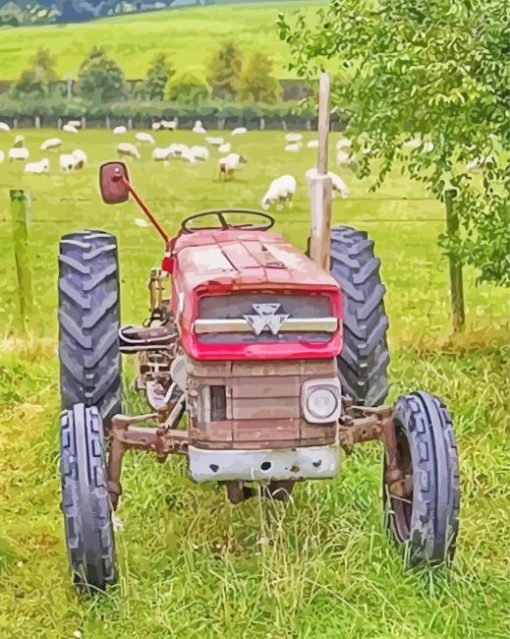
(322, 403)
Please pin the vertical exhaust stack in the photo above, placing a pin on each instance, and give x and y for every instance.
(321, 186)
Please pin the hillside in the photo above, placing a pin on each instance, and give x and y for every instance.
(189, 35)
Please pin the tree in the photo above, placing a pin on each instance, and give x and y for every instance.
(43, 65)
(225, 70)
(256, 83)
(34, 82)
(100, 79)
(434, 70)
(188, 89)
(159, 74)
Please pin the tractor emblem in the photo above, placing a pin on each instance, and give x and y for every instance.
(265, 318)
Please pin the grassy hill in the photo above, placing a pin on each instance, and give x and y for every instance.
(189, 35)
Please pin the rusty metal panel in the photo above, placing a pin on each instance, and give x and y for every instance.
(266, 408)
(266, 431)
(288, 386)
(209, 369)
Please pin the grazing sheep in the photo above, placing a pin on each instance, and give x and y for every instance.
(428, 147)
(17, 154)
(80, 157)
(294, 147)
(18, 141)
(229, 164)
(75, 123)
(126, 149)
(200, 152)
(414, 143)
(69, 128)
(476, 164)
(313, 144)
(198, 128)
(144, 138)
(343, 158)
(119, 130)
(50, 144)
(176, 150)
(4, 127)
(240, 130)
(67, 162)
(339, 186)
(293, 137)
(37, 168)
(169, 125)
(2, 157)
(343, 143)
(156, 126)
(161, 154)
(215, 141)
(188, 156)
(225, 148)
(280, 192)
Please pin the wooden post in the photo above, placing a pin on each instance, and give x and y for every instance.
(321, 186)
(19, 208)
(456, 283)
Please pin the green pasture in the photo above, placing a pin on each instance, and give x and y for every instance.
(192, 565)
(134, 40)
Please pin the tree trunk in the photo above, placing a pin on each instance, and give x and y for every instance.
(456, 283)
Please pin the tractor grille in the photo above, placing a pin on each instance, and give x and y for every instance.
(247, 318)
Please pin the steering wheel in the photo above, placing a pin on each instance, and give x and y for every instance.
(224, 225)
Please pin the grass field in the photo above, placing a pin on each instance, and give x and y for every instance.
(133, 40)
(192, 565)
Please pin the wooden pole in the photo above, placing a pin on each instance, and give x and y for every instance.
(19, 209)
(321, 186)
(456, 283)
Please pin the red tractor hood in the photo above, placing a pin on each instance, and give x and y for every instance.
(212, 262)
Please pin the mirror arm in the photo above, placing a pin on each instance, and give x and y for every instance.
(145, 209)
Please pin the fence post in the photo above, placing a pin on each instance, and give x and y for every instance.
(456, 283)
(19, 207)
(107, 122)
(130, 123)
(37, 122)
(262, 124)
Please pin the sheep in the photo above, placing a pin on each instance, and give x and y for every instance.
(280, 191)
(227, 165)
(119, 130)
(479, 162)
(75, 123)
(215, 141)
(18, 154)
(144, 138)
(313, 144)
(200, 152)
(18, 141)
(225, 148)
(294, 147)
(67, 162)
(293, 137)
(188, 156)
(126, 149)
(4, 127)
(343, 158)
(51, 143)
(69, 128)
(80, 157)
(37, 168)
(161, 154)
(156, 126)
(339, 186)
(198, 128)
(428, 147)
(414, 143)
(343, 143)
(169, 125)
(240, 130)
(176, 150)
(2, 157)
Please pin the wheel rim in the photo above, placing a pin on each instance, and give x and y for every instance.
(401, 503)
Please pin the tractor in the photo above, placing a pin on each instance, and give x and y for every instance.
(258, 363)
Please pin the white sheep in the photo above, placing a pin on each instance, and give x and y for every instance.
(126, 149)
(156, 126)
(144, 138)
(343, 158)
(119, 130)
(69, 128)
(200, 152)
(225, 148)
(75, 123)
(161, 154)
(215, 141)
(67, 162)
(37, 168)
(227, 165)
(280, 192)
(18, 141)
(414, 143)
(80, 157)
(476, 164)
(294, 147)
(293, 137)
(313, 144)
(198, 128)
(339, 186)
(176, 150)
(51, 143)
(4, 127)
(188, 156)
(343, 143)
(18, 154)
(169, 125)
(240, 130)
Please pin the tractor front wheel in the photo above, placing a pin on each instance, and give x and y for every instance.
(422, 504)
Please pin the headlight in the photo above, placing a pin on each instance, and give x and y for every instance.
(322, 403)
(321, 400)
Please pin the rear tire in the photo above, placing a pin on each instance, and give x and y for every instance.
(89, 321)
(85, 500)
(363, 362)
(425, 523)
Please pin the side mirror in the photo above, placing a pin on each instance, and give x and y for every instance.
(112, 182)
